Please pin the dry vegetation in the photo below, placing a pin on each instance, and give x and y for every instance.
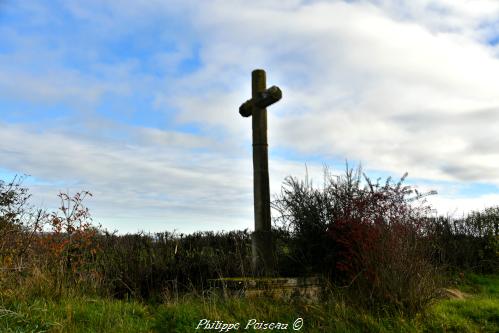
(379, 250)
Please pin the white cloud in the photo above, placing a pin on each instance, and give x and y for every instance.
(459, 207)
(348, 70)
(399, 85)
(161, 183)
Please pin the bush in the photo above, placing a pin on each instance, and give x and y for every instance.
(19, 224)
(69, 249)
(370, 238)
(149, 266)
(468, 243)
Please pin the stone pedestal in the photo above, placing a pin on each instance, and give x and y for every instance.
(304, 289)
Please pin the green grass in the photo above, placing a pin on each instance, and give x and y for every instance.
(75, 314)
(329, 317)
(480, 284)
(477, 313)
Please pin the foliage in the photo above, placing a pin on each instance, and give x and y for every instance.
(19, 224)
(69, 249)
(149, 266)
(369, 237)
(468, 243)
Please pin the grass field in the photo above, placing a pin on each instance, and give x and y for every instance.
(477, 312)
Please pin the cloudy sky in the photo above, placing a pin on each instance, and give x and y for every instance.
(137, 101)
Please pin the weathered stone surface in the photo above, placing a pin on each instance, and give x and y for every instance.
(265, 98)
(262, 244)
(303, 289)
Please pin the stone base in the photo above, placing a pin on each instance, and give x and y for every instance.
(304, 289)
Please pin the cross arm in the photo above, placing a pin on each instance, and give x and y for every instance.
(264, 99)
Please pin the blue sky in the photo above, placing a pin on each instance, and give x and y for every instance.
(137, 101)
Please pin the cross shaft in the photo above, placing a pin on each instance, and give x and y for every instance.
(262, 244)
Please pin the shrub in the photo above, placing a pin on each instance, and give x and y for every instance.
(69, 248)
(370, 238)
(304, 215)
(147, 266)
(468, 243)
(19, 223)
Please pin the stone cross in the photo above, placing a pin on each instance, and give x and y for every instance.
(262, 244)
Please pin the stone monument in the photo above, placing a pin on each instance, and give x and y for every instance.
(264, 283)
(256, 107)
